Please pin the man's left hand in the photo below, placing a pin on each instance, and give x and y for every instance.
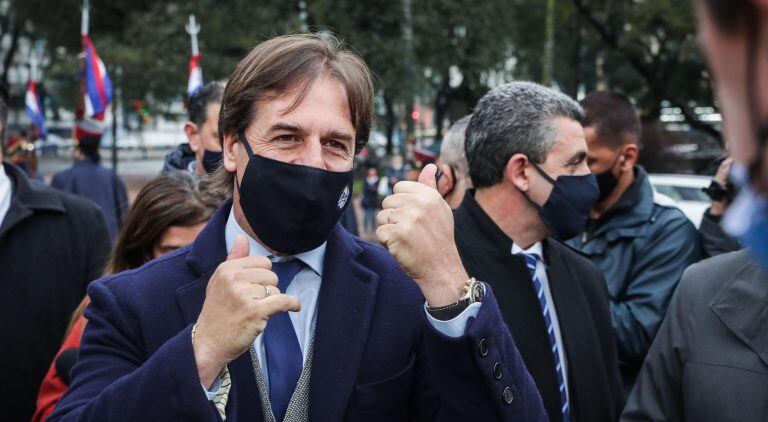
(416, 225)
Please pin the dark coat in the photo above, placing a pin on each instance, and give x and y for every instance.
(709, 361)
(370, 194)
(581, 301)
(51, 245)
(100, 185)
(642, 248)
(375, 358)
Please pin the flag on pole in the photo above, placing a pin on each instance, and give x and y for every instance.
(34, 107)
(195, 75)
(98, 86)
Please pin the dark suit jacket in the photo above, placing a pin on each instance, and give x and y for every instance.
(581, 301)
(52, 245)
(376, 358)
(709, 361)
(100, 185)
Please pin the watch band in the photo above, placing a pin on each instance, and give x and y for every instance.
(474, 292)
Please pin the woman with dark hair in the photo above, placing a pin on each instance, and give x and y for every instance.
(168, 214)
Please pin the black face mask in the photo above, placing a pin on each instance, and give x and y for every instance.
(607, 182)
(211, 160)
(290, 207)
(566, 211)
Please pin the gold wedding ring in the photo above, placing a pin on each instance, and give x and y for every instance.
(267, 290)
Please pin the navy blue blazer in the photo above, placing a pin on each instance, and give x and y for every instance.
(99, 184)
(376, 356)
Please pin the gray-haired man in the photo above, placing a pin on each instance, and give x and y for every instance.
(453, 174)
(527, 159)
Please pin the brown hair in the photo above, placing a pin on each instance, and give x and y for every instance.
(289, 64)
(171, 199)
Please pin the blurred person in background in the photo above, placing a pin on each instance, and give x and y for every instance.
(714, 240)
(709, 361)
(201, 154)
(89, 179)
(370, 201)
(168, 214)
(453, 172)
(52, 244)
(639, 244)
(396, 172)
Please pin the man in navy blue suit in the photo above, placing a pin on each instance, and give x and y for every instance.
(275, 312)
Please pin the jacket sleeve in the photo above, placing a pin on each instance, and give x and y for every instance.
(114, 380)
(714, 240)
(657, 392)
(456, 379)
(650, 285)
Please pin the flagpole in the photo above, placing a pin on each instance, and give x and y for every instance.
(193, 28)
(84, 20)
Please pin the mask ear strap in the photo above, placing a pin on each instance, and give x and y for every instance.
(543, 174)
(244, 141)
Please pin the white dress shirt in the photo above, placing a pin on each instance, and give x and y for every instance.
(306, 286)
(541, 273)
(6, 193)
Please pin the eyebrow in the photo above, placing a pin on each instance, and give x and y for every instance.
(285, 126)
(290, 127)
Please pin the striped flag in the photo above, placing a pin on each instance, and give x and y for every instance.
(34, 107)
(98, 86)
(195, 75)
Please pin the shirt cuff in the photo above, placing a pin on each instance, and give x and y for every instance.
(211, 394)
(455, 327)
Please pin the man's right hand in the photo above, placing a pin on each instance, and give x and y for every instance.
(236, 310)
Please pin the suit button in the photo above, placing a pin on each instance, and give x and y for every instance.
(483, 347)
(508, 397)
(497, 370)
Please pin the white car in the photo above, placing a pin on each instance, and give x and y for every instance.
(685, 191)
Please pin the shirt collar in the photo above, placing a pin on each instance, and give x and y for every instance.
(313, 259)
(535, 249)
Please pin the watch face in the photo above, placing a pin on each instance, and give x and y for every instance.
(478, 291)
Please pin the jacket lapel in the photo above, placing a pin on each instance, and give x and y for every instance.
(741, 305)
(579, 341)
(207, 252)
(345, 308)
(27, 198)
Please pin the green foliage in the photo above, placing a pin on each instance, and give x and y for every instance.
(646, 49)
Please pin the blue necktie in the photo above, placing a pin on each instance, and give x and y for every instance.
(531, 261)
(282, 350)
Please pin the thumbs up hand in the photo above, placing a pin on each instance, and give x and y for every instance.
(240, 297)
(416, 226)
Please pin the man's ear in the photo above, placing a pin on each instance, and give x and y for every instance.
(193, 135)
(516, 171)
(230, 149)
(446, 184)
(631, 155)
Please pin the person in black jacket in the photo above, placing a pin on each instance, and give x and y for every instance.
(52, 245)
(527, 156)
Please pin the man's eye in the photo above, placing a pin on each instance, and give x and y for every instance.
(287, 138)
(337, 145)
